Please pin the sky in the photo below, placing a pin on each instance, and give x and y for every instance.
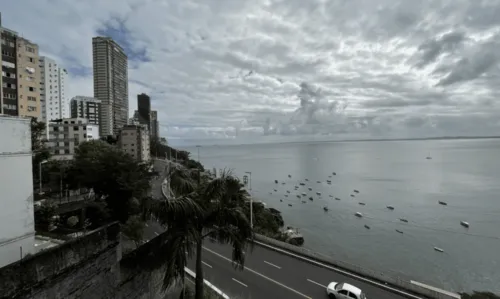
(238, 71)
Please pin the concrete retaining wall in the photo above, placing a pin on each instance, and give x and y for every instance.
(390, 281)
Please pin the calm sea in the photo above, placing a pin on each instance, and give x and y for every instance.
(463, 173)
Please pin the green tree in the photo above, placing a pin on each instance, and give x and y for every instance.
(113, 175)
(44, 216)
(38, 148)
(133, 229)
(221, 218)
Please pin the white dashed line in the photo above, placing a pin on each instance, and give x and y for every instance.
(206, 264)
(240, 283)
(316, 283)
(272, 264)
(157, 234)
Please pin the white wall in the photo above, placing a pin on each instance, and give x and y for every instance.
(17, 225)
(92, 132)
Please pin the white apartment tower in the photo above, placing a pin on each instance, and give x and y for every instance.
(52, 90)
(110, 66)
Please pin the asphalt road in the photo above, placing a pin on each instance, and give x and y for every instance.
(269, 274)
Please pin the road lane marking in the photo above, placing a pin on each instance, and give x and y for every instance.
(380, 285)
(272, 264)
(240, 283)
(206, 264)
(316, 283)
(261, 275)
(157, 234)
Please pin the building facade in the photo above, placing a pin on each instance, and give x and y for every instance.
(9, 100)
(155, 125)
(66, 134)
(52, 90)
(28, 82)
(17, 223)
(144, 110)
(110, 66)
(86, 107)
(134, 140)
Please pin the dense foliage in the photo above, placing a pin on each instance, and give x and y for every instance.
(38, 147)
(480, 295)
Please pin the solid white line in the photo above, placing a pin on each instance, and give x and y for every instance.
(317, 283)
(206, 264)
(261, 275)
(240, 283)
(272, 264)
(157, 233)
(192, 274)
(339, 271)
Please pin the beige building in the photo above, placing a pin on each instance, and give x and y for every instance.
(134, 140)
(28, 74)
(67, 134)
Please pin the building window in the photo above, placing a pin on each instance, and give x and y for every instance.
(30, 49)
(32, 99)
(8, 64)
(30, 59)
(76, 128)
(31, 109)
(31, 88)
(66, 151)
(11, 96)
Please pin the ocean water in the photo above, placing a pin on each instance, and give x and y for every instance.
(463, 173)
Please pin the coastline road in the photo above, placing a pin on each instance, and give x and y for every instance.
(270, 274)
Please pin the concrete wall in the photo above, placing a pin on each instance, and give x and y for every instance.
(387, 280)
(87, 267)
(17, 229)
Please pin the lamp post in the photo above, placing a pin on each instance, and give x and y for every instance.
(251, 199)
(40, 175)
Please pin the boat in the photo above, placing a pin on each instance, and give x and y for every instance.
(464, 224)
(293, 236)
(442, 203)
(289, 204)
(336, 198)
(325, 208)
(399, 231)
(438, 249)
(298, 196)
(356, 191)
(286, 195)
(281, 200)
(352, 195)
(275, 181)
(304, 194)
(289, 175)
(403, 220)
(275, 190)
(307, 180)
(367, 227)
(330, 196)
(310, 198)
(283, 183)
(329, 176)
(334, 173)
(390, 208)
(328, 181)
(287, 191)
(318, 193)
(319, 182)
(310, 189)
(302, 184)
(303, 201)
(362, 204)
(358, 214)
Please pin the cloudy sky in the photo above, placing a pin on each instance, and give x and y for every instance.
(266, 70)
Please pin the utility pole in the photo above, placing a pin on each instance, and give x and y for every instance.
(251, 199)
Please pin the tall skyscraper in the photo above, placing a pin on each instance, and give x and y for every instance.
(20, 94)
(110, 84)
(86, 107)
(144, 110)
(155, 128)
(52, 90)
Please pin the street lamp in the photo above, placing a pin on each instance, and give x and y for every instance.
(40, 175)
(251, 200)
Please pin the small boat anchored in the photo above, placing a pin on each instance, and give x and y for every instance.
(403, 220)
(464, 224)
(399, 231)
(325, 208)
(367, 227)
(390, 208)
(304, 194)
(311, 199)
(356, 191)
(438, 249)
(310, 189)
(275, 181)
(358, 214)
(318, 193)
(443, 203)
(336, 198)
(289, 175)
(362, 204)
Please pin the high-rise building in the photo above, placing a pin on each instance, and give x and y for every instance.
(134, 140)
(144, 110)
(155, 127)
(110, 84)
(66, 134)
(52, 90)
(86, 107)
(20, 76)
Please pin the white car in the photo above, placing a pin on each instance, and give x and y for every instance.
(342, 290)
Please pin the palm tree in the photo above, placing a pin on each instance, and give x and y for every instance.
(219, 215)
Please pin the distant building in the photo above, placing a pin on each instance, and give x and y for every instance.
(134, 140)
(52, 90)
(86, 107)
(110, 65)
(145, 116)
(66, 134)
(155, 127)
(20, 94)
(17, 224)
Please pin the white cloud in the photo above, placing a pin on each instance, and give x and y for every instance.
(239, 70)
